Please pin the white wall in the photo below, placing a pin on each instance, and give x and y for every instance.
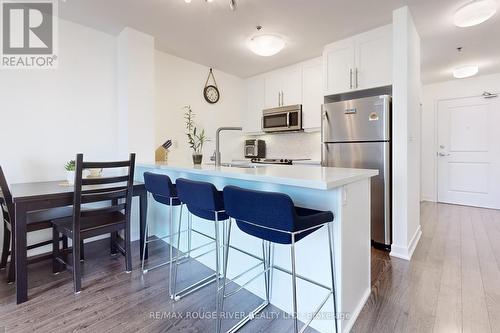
(180, 82)
(432, 94)
(406, 131)
(48, 116)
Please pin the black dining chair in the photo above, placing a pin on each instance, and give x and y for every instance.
(114, 195)
(38, 220)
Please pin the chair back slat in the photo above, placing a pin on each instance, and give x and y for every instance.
(101, 211)
(115, 191)
(104, 180)
(105, 165)
(112, 194)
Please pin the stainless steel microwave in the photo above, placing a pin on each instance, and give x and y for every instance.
(282, 119)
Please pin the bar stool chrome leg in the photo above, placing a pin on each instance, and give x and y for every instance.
(190, 228)
(294, 287)
(221, 293)
(266, 261)
(171, 248)
(217, 267)
(332, 267)
(176, 264)
(179, 260)
(266, 256)
(146, 241)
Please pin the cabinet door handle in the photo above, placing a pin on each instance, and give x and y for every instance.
(356, 73)
(350, 78)
(279, 98)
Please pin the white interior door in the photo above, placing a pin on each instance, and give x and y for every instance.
(469, 152)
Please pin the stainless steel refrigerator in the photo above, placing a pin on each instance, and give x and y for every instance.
(357, 134)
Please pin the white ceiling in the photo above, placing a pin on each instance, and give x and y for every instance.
(440, 39)
(211, 34)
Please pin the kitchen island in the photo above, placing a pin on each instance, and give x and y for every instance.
(345, 192)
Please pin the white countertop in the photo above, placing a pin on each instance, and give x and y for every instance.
(307, 176)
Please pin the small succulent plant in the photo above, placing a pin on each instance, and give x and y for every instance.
(70, 166)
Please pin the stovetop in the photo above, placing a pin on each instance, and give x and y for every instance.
(282, 161)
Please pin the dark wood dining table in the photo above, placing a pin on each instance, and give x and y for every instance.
(28, 197)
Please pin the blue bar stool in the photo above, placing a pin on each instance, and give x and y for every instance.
(203, 200)
(273, 218)
(164, 192)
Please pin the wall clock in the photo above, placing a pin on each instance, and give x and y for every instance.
(211, 92)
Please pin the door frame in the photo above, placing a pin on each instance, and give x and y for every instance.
(436, 135)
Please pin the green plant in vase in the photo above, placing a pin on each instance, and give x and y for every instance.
(196, 138)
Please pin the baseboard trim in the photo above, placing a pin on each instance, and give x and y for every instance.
(407, 252)
(357, 311)
(427, 198)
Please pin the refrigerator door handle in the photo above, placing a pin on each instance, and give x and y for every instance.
(324, 113)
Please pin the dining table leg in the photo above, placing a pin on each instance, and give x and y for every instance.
(21, 253)
(143, 214)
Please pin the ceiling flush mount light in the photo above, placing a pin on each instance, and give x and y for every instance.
(474, 13)
(232, 3)
(266, 45)
(465, 71)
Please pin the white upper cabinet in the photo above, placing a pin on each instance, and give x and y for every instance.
(361, 62)
(338, 66)
(374, 58)
(252, 116)
(283, 87)
(312, 93)
(297, 84)
(292, 86)
(273, 87)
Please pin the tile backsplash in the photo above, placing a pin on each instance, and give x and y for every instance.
(293, 145)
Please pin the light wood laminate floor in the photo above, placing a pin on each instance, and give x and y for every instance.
(452, 284)
(114, 301)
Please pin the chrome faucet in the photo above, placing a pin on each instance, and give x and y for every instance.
(217, 142)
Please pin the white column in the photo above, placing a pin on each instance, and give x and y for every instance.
(406, 132)
(135, 93)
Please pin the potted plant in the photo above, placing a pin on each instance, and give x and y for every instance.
(196, 138)
(70, 171)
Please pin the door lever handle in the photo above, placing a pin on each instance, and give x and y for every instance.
(443, 154)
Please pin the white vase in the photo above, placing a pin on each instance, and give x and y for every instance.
(70, 177)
